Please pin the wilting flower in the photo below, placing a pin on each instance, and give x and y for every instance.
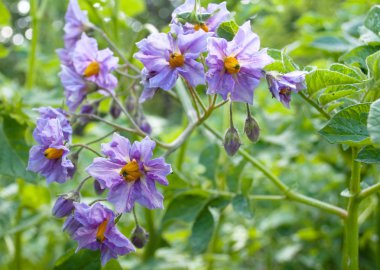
(93, 64)
(218, 14)
(130, 173)
(49, 158)
(235, 67)
(166, 57)
(64, 205)
(282, 85)
(98, 232)
(76, 22)
(47, 113)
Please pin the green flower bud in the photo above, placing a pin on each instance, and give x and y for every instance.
(231, 141)
(252, 129)
(139, 237)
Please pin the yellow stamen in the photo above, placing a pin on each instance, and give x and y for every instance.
(131, 171)
(285, 91)
(53, 153)
(176, 60)
(231, 64)
(202, 26)
(101, 230)
(92, 69)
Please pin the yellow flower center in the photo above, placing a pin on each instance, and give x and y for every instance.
(131, 171)
(231, 64)
(92, 69)
(285, 91)
(101, 230)
(53, 153)
(201, 26)
(176, 60)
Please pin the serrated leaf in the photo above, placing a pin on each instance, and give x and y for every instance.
(241, 205)
(374, 123)
(227, 30)
(184, 208)
(372, 20)
(322, 78)
(201, 232)
(84, 259)
(348, 126)
(358, 55)
(369, 154)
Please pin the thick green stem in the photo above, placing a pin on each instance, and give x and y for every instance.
(315, 105)
(351, 225)
(33, 48)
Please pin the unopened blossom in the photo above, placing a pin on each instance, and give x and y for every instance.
(218, 14)
(76, 22)
(64, 205)
(148, 91)
(50, 157)
(98, 232)
(282, 85)
(130, 173)
(165, 57)
(93, 64)
(235, 67)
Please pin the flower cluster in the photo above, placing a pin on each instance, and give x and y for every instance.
(84, 67)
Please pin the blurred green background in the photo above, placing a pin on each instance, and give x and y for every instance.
(254, 235)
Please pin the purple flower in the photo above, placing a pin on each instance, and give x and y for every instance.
(235, 67)
(98, 231)
(47, 113)
(49, 158)
(93, 64)
(76, 23)
(148, 91)
(219, 14)
(130, 173)
(166, 57)
(76, 88)
(282, 85)
(64, 205)
(71, 225)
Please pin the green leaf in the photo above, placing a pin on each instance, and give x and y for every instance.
(373, 65)
(347, 70)
(33, 196)
(372, 20)
(233, 176)
(5, 15)
(335, 92)
(227, 30)
(184, 208)
(201, 232)
(348, 126)
(330, 44)
(369, 154)
(374, 123)
(132, 7)
(288, 62)
(209, 159)
(358, 55)
(275, 54)
(219, 202)
(84, 259)
(322, 78)
(241, 205)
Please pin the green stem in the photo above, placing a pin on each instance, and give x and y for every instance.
(150, 248)
(33, 48)
(18, 242)
(86, 147)
(315, 105)
(291, 195)
(365, 193)
(351, 225)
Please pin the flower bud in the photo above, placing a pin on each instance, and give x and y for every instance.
(252, 129)
(115, 110)
(65, 204)
(131, 104)
(98, 189)
(231, 141)
(139, 237)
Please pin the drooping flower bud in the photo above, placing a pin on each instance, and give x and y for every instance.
(98, 189)
(115, 110)
(143, 122)
(139, 237)
(252, 129)
(231, 141)
(65, 204)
